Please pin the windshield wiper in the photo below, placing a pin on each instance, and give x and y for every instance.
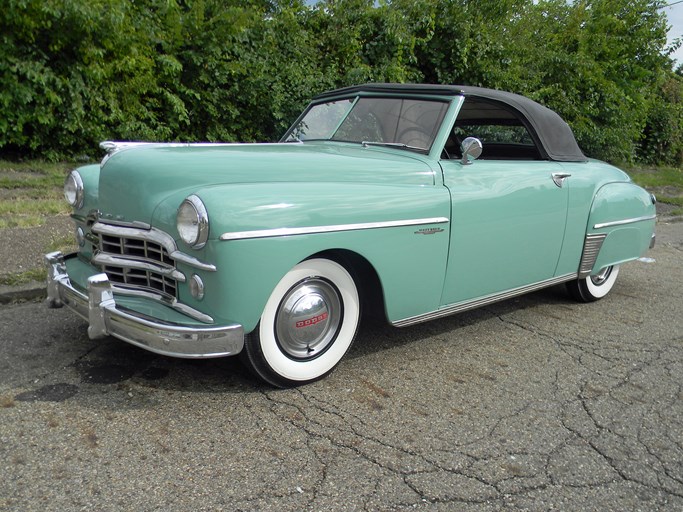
(399, 145)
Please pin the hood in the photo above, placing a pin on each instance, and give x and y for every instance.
(134, 181)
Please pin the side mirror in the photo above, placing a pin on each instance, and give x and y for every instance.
(471, 148)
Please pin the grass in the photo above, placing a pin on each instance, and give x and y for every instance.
(665, 182)
(28, 276)
(658, 177)
(64, 244)
(20, 221)
(33, 206)
(31, 191)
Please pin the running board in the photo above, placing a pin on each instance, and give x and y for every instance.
(459, 307)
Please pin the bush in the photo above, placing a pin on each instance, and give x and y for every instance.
(75, 72)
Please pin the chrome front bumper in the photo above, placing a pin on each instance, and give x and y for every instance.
(99, 308)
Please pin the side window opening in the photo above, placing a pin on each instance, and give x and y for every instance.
(502, 132)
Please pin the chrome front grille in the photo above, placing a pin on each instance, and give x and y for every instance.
(145, 249)
(138, 259)
(141, 278)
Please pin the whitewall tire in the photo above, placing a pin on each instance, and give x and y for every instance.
(307, 325)
(594, 287)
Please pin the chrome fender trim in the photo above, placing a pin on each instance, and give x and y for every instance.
(624, 221)
(105, 317)
(310, 230)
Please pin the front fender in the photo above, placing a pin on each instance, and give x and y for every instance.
(258, 232)
(625, 214)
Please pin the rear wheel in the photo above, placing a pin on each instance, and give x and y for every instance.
(308, 324)
(594, 287)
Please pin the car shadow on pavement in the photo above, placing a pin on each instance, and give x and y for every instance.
(376, 334)
(114, 368)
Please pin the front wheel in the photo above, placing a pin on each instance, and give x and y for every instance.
(307, 325)
(595, 287)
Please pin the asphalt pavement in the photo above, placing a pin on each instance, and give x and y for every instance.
(537, 403)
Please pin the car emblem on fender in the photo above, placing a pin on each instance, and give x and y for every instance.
(428, 231)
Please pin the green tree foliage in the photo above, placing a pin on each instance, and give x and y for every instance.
(74, 72)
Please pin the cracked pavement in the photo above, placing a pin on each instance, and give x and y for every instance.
(536, 403)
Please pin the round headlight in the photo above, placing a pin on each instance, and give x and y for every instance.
(192, 222)
(73, 189)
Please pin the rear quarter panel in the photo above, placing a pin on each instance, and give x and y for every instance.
(622, 202)
(600, 193)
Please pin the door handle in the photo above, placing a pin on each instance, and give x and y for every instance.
(559, 177)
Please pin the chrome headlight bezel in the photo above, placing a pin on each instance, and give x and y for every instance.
(74, 192)
(192, 222)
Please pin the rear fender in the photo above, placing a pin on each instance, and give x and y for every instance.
(620, 226)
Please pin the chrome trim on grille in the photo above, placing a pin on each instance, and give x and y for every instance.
(591, 248)
(126, 263)
(123, 224)
(193, 262)
(152, 235)
(625, 221)
(137, 258)
(481, 301)
(310, 230)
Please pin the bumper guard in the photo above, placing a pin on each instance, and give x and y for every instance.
(99, 308)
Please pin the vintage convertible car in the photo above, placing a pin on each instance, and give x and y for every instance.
(424, 200)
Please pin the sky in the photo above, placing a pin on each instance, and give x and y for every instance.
(674, 14)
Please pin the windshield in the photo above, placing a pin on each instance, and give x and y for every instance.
(401, 122)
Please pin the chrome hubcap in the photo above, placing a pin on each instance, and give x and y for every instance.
(308, 318)
(601, 276)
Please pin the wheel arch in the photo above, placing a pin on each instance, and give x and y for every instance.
(365, 276)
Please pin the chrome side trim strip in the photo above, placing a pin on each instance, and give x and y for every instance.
(625, 221)
(591, 249)
(310, 230)
(482, 301)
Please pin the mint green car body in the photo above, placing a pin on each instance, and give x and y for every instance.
(423, 234)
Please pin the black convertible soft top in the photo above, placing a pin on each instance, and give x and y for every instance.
(554, 134)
